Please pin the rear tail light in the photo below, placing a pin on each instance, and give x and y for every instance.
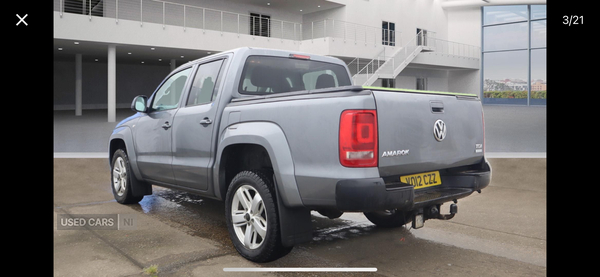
(358, 138)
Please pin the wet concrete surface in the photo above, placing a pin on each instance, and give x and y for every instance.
(501, 232)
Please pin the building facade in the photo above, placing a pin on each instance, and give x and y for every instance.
(109, 51)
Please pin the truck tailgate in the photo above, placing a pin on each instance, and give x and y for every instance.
(427, 131)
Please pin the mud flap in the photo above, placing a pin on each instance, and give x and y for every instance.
(139, 188)
(294, 223)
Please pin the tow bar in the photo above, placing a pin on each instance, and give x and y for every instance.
(432, 212)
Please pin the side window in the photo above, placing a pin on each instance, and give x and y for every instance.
(204, 83)
(167, 97)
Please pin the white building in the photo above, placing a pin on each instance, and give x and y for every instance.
(108, 51)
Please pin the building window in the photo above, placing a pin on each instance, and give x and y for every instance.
(514, 55)
(421, 83)
(421, 37)
(388, 33)
(538, 77)
(260, 25)
(388, 83)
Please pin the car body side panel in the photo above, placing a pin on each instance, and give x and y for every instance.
(310, 124)
(123, 132)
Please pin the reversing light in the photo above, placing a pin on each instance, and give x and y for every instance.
(358, 138)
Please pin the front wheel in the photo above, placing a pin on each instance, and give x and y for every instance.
(252, 218)
(121, 177)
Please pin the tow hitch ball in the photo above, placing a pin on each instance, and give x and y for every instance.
(432, 212)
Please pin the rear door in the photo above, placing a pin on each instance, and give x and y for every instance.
(153, 132)
(194, 125)
(426, 131)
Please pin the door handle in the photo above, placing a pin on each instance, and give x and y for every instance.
(205, 121)
(167, 125)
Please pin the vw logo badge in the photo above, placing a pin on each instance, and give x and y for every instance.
(439, 130)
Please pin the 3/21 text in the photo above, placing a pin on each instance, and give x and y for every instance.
(573, 20)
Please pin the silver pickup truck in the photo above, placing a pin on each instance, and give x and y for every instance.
(276, 134)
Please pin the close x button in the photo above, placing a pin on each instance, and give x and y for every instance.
(22, 19)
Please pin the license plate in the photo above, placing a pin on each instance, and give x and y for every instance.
(422, 180)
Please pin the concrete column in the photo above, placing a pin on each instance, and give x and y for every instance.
(173, 66)
(78, 81)
(112, 84)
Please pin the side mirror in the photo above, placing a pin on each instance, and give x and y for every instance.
(139, 104)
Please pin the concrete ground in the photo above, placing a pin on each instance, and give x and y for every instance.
(515, 128)
(500, 232)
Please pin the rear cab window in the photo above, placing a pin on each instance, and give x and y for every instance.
(263, 75)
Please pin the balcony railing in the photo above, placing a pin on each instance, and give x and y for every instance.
(189, 16)
(352, 32)
(186, 16)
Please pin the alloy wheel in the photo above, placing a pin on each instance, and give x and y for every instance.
(119, 176)
(249, 217)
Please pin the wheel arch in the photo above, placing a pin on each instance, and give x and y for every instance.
(257, 145)
(114, 145)
(122, 138)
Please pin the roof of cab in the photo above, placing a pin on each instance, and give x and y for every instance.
(250, 51)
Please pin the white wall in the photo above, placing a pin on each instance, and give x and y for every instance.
(408, 15)
(462, 81)
(464, 25)
(436, 79)
(465, 81)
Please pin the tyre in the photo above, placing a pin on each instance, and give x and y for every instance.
(121, 177)
(252, 218)
(389, 218)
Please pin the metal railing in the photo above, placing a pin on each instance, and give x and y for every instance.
(189, 16)
(357, 64)
(351, 32)
(451, 48)
(401, 57)
(387, 67)
(182, 15)
(395, 63)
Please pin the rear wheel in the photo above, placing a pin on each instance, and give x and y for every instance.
(252, 218)
(389, 218)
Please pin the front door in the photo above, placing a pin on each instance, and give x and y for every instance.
(194, 126)
(153, 132)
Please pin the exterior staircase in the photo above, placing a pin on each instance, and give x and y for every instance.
(391, 65)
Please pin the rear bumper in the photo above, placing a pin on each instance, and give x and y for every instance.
(374, 194)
